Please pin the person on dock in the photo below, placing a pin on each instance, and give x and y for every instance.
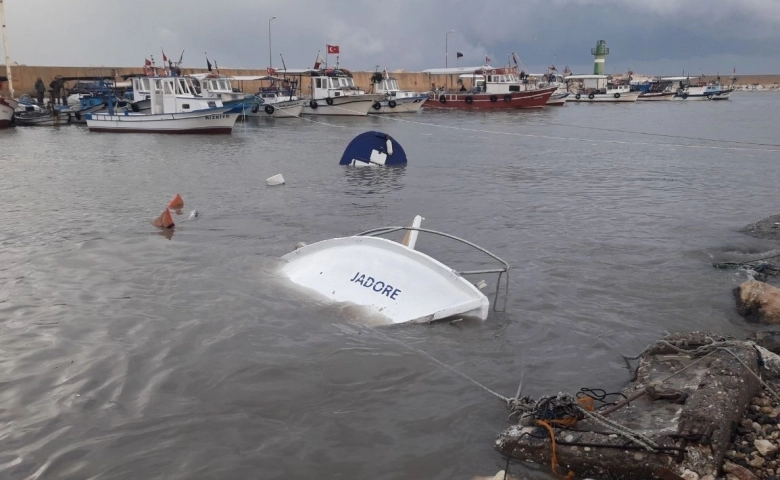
(64, 93)
(55, 86)
(40, 91)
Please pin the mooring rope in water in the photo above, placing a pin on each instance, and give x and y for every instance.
(682, 137)
(551, 137)
(441, 364)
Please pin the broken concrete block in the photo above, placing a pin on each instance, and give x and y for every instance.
(700, 390)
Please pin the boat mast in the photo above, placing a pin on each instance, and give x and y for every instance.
(5, 51)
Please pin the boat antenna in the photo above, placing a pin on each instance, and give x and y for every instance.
(5, 51)
(283, 65)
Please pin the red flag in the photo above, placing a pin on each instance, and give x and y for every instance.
(333, 49)
(165, 59)
(487, 59)
(147, 62)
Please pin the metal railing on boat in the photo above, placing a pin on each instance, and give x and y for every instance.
(374, 232)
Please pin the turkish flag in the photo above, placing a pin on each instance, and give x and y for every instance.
(333, 49)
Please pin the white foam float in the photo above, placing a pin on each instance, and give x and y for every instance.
(275, 180)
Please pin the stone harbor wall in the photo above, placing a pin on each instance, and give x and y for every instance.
(24, 77)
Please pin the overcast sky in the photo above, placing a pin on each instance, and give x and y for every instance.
(651, 37)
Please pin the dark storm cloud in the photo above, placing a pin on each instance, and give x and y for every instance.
(662, 36)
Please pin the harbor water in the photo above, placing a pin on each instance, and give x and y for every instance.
(126, 353)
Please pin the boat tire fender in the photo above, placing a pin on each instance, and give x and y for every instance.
(709, 97)
(391, 104)
(469, 99)
(329, 101)
(442, 99)
(493, 98)
(376, 106)
(313, 104)
(577, 97)
(617, 95)
(78, 115)
(591, 96)
(684, 95)
(269, 109)
(507, 98)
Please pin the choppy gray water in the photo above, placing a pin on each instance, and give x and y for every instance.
(126, 355)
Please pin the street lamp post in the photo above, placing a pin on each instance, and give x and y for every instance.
(270, 56)
(446, 45)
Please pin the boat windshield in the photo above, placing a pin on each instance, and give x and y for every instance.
(391, 84)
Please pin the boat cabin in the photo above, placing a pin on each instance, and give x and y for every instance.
(171, 95)
(333, 83)
(597, 84)
(387, 85)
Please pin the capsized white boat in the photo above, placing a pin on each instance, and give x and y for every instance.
(391, 279)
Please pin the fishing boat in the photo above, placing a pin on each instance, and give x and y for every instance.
(174, 107)
(7, 107)
(333, 92)
(654, 90)
(33, 116)
(391, 280)
(7, 103)
(553, 79)
(396, 100)
(217, 85)
(598, 88)
(491, 88)
(702, 90)
(6, 112)
(278, 99)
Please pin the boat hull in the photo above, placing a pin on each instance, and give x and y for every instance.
(41, 118)
(6, 113)
(350, 105)
(388, 279)
(558, 99)
(219, 120)
(604, 97)
(488, 101)
(701, 93)
(284, 109)
(656, 96)
(400, 105)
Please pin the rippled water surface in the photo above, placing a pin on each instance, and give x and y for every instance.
(126, 354)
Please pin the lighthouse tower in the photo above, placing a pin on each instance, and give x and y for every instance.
(600, 52)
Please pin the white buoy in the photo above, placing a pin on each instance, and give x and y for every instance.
(275, 180)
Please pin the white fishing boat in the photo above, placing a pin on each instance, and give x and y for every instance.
(598, 88)
(391, 280)
(7, 103)
(174, 108)
(279, 99)
(553, 79)
(6, 112)
(701, 90)
(333, 92)
(221, 86)
(396, 100)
